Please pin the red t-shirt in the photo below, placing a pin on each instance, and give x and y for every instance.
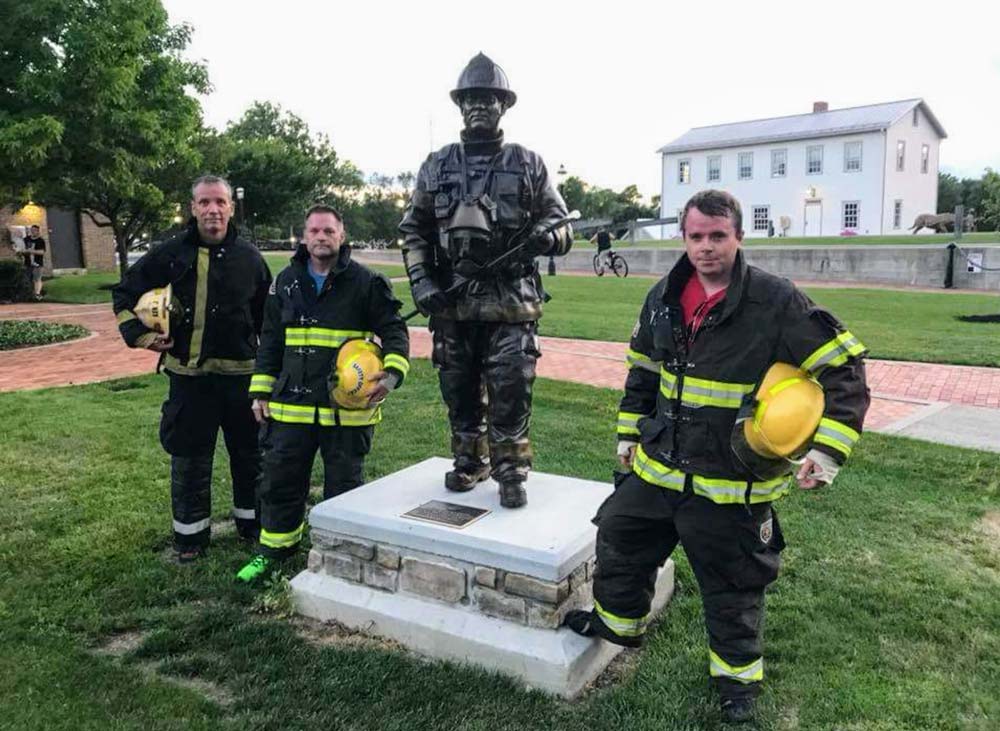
(696, 303)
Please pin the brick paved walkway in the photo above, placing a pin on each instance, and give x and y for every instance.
(900, 389)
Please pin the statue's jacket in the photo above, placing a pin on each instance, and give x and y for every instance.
(682, 396)
(516, 181)
(303, 332)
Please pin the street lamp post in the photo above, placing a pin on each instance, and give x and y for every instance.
(239, 201)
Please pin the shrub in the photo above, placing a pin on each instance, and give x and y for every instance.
(14, 284)
(25, 333)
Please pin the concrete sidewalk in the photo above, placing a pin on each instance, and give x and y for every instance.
(957, 405)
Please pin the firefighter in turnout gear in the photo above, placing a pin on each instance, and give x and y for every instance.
(216, 286)
(474, 201)
(321, 304)
(706, 336)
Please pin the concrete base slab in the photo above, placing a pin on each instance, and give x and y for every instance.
(556, 661)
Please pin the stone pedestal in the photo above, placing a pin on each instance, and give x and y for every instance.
(492, 593)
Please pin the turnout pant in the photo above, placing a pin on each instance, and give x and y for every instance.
(289, 451)
(195, 409)
(486, 371)
(734, 551)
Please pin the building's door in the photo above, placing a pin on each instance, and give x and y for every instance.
(812, 221)
(64, 235)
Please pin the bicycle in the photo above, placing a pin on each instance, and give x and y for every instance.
(614, 262)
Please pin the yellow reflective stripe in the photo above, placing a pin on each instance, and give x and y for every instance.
(702, 392)
(719, 491)
(668, 384)
(634, 358)
(834, 352)
(349, 417)
(653, 472)
(262, 382)
(221, 366)
(401, 364)
(733, 492)
(281, 540)
(125, 316)
(292, 413)
(628, 423)
(200, 305)
(621, 626)
(750, 673)
(834, 434)
(322, 337)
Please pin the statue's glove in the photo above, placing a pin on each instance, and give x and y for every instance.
(428, 297)
(540, 241)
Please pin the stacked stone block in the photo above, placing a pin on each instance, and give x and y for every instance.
(514, 597)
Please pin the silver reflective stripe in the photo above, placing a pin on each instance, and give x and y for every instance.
(244, 513)
(835, 435)
(189, 529)
(747, 674)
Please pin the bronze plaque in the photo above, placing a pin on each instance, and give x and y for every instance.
(452, 515)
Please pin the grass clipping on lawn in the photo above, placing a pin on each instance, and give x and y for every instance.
(885, 615)
(26, 333)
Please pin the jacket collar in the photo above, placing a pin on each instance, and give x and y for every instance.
(684, 269)
(475, 146)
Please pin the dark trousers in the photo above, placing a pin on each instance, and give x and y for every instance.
(487, 371)
(289, 451)
(734, 551)
(195, 409)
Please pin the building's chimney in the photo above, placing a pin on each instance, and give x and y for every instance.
(820, 107)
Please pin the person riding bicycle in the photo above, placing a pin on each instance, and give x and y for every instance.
(603, 237)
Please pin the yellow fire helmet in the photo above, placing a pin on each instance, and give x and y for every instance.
(778, 425)
(350, 384)
(154, 308)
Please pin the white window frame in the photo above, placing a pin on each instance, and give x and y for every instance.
(762, 225)
(847, 146)
(925, 158)
(900, 156)
(809, 149)
(739, 165)
(684, 166)
(718, 169)
(782, 162)
(897, 213)
(843, 215)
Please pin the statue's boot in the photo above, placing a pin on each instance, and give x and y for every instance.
(512, 492)
(471, 464)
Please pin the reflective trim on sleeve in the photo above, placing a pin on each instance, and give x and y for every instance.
(751, 673)
(281, 540)
(621, 626)
(190, 529)
(322, 337)
(834, 353)
(262, 383)
(834, 434)
(636, 359)
(125, 316)
(401, 364)
(628, 423)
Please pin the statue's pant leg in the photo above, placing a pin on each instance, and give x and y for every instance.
(510, 375)
(458, 357)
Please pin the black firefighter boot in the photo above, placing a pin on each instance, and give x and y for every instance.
(471, 465)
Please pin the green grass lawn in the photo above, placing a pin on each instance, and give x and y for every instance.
(906, 239)
(80, 288)
(894, 324)
(885, 616)
(279, 260)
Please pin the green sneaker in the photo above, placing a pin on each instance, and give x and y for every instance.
(258, 566)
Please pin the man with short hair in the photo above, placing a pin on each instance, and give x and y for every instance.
(34, 259)
(318, 304)
(705, 337)
(474, 202)
(219, 282)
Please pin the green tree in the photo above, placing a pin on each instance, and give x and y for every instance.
(281, 165)
(989, 212)
(949, 192)
(120, 92)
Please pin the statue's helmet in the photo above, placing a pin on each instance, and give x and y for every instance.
(482, 73)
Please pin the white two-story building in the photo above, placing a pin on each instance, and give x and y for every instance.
(864, 170)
